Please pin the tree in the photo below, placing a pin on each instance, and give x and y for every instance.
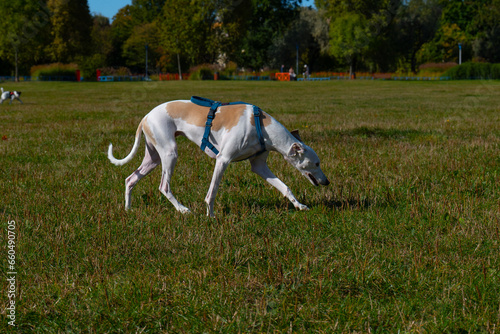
(308, 32)
(186, 30)
(486, 44)
(71, 25)
(269, 20)
(134, 49)
(349, 38)
(417, 23)
(25, 27)
(146, 11)
(101, 48)
(360, 30)
(458, 24)
(230, 27)
(444, 46)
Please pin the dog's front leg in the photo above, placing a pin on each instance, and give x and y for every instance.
(259, 167)
(220, 166)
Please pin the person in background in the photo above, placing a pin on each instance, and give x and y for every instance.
(292, 74)
(306, 72)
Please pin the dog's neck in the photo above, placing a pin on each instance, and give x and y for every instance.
(279, 139)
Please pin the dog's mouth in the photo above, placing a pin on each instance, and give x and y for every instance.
(313, 179)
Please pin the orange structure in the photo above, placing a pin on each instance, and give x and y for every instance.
(283, 76)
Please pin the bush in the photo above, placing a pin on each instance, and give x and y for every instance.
(436, 67)
(46, 72)
(495, 71)
(474, 71)
(202, 72)
(116, 71)
(88, 66)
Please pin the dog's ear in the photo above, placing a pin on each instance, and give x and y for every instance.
(296, 134)
(295, 149)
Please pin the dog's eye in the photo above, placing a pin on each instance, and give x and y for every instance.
(317, 164)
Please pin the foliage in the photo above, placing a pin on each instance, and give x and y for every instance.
(115, 71)
(364, 35)
(186, 29)
(25, 33)
(134, 49)
(437, 67)
(349, 38)
(417, 23)
(486, 45)
(54, 70)
(446, 48)
(268, 21)
(308, 35)
(471, 70)
(202, 72)
(71, 25)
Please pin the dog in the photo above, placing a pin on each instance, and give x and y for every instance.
(234, 136)
(10, 95)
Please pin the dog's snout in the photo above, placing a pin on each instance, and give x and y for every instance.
(326, 182)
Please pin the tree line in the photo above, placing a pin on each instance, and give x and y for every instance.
(368, 35)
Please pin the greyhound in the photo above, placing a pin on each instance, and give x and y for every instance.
(234, 137)
(10, 95)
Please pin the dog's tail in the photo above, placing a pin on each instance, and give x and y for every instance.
(2, 89)
(132, 153)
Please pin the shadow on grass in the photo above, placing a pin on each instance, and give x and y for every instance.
(345, 204)
(375, 132)
(351, 203)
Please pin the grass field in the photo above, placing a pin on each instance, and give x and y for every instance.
(405, 238)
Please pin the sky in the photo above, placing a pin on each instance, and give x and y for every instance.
(109, 8)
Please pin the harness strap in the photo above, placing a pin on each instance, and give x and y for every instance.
(214, 105)
(256, 114)
(211, 115)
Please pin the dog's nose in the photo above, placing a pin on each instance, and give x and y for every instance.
(326, 182)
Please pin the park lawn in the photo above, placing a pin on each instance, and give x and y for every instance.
(405, 238)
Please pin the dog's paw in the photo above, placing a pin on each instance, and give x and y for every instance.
(184, 210)
(302, 207)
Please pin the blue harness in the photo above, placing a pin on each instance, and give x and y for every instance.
(213, 105)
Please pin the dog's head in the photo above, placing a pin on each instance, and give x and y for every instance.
(306, 161)
(16, 93)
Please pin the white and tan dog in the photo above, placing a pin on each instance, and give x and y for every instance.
(234, 135)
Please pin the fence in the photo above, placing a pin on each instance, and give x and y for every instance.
(272, 76)
(13, 78)
(172, 76)
(109, 78)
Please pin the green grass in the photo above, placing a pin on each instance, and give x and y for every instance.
(405, 239)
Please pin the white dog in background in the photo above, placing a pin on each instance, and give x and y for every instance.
(11, 95)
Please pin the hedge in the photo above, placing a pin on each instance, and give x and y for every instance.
(474, 71)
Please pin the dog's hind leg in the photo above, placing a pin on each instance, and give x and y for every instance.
(150, 161)
(168, 161)
(259, 167)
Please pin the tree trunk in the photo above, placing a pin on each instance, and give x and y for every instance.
(352, 68)
(179, 66)
(16, 75)
(413, 61)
